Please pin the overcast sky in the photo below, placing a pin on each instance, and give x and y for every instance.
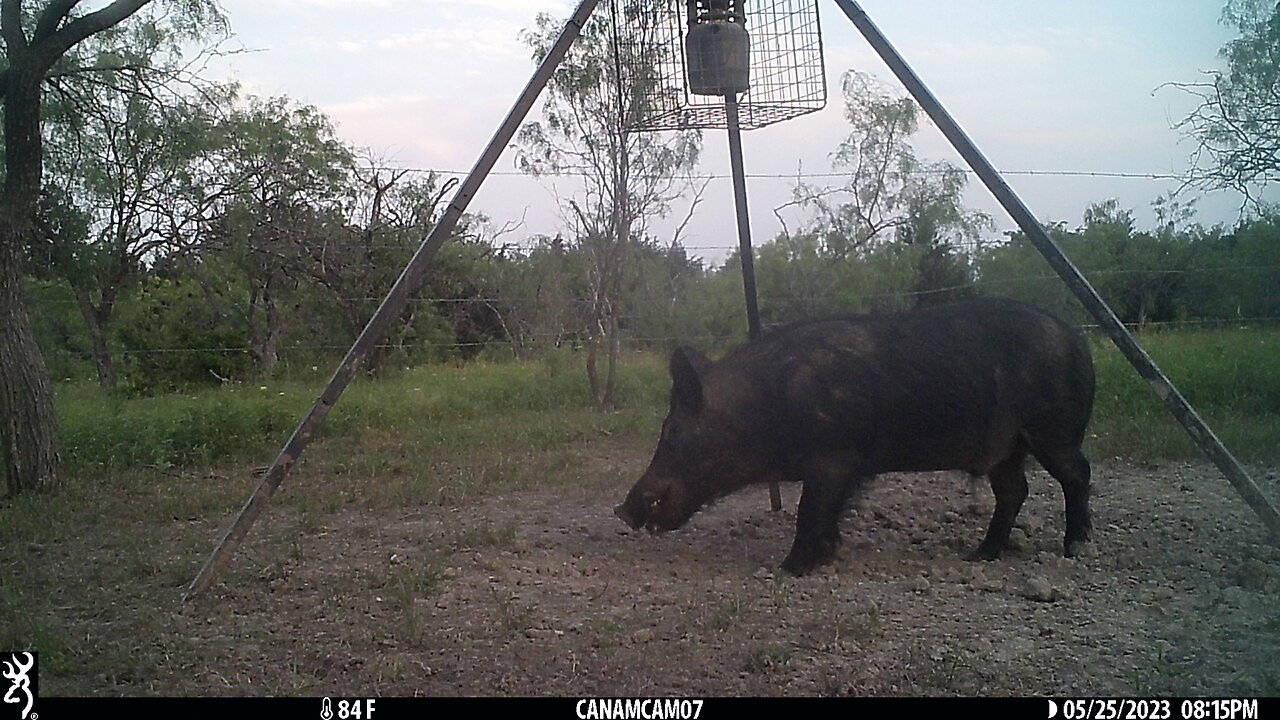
(1051, 85)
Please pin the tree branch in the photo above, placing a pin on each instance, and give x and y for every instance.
(11, 30)
(54, 46)
(54, 13)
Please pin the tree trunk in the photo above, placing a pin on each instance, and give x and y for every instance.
(265, 325)
(29, 444)
(269, 349)
(29, 430)
(611, 373)
(97, 319)
(593, 378)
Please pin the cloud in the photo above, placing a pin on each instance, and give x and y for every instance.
(509, 7)
(329, 4)
(488, 40)
(987, 54)
(417, 130)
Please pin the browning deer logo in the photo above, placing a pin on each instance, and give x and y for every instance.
(17, 672)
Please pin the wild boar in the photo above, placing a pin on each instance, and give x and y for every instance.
(973, 386)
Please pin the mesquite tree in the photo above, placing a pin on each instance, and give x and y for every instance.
(627, 178)
(1236, 126)
(38, 42)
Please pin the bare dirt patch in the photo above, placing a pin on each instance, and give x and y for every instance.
(545, 592)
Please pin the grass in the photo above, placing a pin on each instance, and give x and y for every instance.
(1231, 377)
(409, 421)
(767, 659)
(443, 405)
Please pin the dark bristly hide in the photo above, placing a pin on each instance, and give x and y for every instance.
(974, 386)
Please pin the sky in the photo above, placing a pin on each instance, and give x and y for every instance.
(1053, 86)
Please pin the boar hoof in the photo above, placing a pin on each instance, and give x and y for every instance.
(803, 562)
(984, 552)
(1076, 548)
(799, 566)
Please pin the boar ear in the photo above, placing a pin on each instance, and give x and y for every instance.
(687, 366)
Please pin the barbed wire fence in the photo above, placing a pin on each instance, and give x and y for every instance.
(309, 353)
(321, 352)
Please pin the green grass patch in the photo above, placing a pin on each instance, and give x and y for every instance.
(1231, 376)
(486, 417)
(109, 432)
(541, 404)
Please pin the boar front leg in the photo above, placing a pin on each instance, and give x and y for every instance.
(827, 487)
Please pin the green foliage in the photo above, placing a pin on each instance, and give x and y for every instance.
(128, 139)
(116, 433)
(1168, 275)
(60, 330)
(1235, 274)
(628, 177)
(895, 212)
(1236, 126)
(173, 335)
(799, 278)
(265, 243)
(890, 193)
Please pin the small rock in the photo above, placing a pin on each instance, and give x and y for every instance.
(1039, 588)
(1085, 550)
(1254, 575)
(1235, 597)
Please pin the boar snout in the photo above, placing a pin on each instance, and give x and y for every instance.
(656, 505)
(627, 516)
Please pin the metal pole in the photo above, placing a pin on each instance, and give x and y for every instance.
(408, 283)
(744, 241)
(1200, 432)
(744, 220)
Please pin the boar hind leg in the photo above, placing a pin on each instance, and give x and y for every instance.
(1009, 483)
(818, 520)
(1070, 468)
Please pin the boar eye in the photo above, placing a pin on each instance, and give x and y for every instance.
(672, 430)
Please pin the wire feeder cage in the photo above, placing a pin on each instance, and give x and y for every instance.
(787, 77)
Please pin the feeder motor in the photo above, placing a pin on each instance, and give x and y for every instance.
(717, 48)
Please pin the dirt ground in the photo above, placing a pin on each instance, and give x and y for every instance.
(545, 592)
